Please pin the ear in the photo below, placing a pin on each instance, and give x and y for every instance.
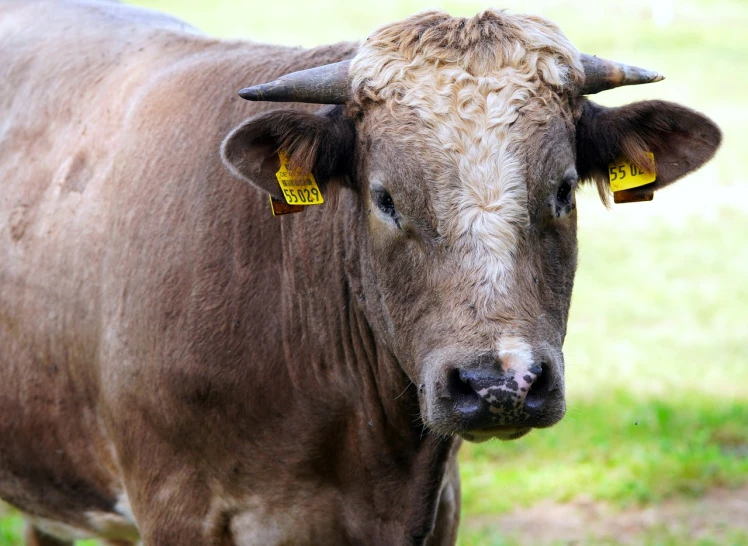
(321, 143)
(681, 140)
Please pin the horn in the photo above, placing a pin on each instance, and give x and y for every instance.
(601, 74)
(327, 84)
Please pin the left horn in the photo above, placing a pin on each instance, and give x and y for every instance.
(327, 84)
(601, 74)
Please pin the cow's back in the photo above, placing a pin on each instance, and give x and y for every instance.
(132, 265)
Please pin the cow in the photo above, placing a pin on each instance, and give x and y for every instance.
(179, 367)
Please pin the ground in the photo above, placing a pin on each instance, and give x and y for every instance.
(717, 518)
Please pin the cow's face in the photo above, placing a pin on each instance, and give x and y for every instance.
(469, 263)
(463, 146)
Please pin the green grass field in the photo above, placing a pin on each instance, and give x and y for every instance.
(657, 347)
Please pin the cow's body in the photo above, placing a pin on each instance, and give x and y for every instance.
(177, 365)
(160, 332)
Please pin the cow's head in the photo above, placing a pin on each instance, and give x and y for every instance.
(463, 142)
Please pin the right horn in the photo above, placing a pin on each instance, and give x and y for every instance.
(327, 84)
(601, 74)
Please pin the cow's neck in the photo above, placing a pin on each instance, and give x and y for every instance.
(364, 406)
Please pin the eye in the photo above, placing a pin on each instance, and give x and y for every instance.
(563, 202)
(384, 202)
(564, 192)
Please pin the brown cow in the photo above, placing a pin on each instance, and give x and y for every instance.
(179, 367)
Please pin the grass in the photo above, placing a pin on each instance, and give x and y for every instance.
(11, 529)
(657, 347)
(622, 450)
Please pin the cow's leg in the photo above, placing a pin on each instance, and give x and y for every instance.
(170, 501)
(34, 537)
(171, 511)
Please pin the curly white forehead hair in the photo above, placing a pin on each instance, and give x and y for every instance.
(494, 45)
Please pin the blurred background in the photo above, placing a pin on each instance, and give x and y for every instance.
(654, 448)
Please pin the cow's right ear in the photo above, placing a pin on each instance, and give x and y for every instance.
(321, 143)
(680, 139)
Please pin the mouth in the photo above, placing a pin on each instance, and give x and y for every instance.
(502, 433)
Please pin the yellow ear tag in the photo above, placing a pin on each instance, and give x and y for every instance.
(298, 186)
(624, 175)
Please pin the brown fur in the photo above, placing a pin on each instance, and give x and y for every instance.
(236, 378)
(152, 340)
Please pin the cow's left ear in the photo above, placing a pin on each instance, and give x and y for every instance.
(321, 143)
(681, 140)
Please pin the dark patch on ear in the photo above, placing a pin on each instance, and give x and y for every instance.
(681, 140)
(321, 143)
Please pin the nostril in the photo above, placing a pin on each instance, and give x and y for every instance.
(540, 388)
(458, 385)
(464, 396)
